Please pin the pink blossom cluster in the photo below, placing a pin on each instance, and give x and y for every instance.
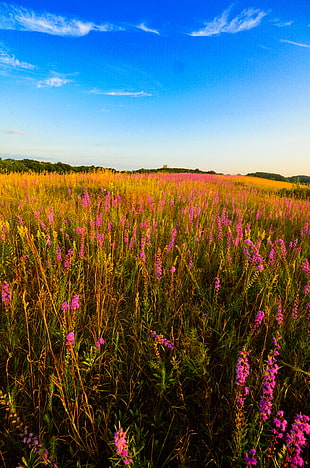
(265, 404)
(70, 339)
(242, 373)
(296, 440)
(6, 293)
(161, 340)
(120, 442)
(74, 303)
(252, 253)
(250, 459)
(99, 342)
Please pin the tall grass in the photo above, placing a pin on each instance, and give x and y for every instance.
(152, 320)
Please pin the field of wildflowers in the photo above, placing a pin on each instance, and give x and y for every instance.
(153, 321)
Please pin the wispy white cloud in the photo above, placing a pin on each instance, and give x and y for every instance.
(143, 27)
(25, 19)
(249, 18)
(13, 132)
(10, 61)
(53, 82)
(120, 93)
(299, 44)
(107, 27)
(281, 24)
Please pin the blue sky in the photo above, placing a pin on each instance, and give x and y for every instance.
(199, 84)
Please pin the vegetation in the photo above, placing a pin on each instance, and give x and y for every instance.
(299, 179)
(31, 165)
(154, 320)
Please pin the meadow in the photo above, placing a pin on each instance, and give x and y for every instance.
(153, 320)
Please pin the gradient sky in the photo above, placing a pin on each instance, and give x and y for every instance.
(212, 85)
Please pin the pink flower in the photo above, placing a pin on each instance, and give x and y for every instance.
(75, 302)
(70, 339)
(99, 343)
(6, 293)
(120, 443)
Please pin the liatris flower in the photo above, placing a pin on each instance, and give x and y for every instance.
(142, 251)
(295, 440)
(120, 442)
(258, 319)
(161, 340)
(99, 343)
(6, 293)
(242, 373)
(277, 433)
(70, 340)
(100, 238)
(282, 248)
(306, 267)
(158, 265)
(58, 253)
(172, 240)
(279, 317)
(75, 302)
(280, 425)
(99, 219)
(250, 460)
(272, 257)
(68, 258)
(265, 404)
(254, 258)
(295, 308)
(85, 199)
(307, 288)
(243, 367)
(217, 285)
(51, 216)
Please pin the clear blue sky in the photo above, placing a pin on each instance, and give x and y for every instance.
(214, 85)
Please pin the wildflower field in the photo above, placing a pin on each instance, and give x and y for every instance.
(153, 321)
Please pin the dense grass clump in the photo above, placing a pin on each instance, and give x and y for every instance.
(153, 320)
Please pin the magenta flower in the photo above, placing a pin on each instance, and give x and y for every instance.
(161, 340)
(265, 404)
(242, 373)
(158, 265)
(75, 302)
(217, 284)
(296, 440)
(70, 340)
(120, 443)
(6, 293)
(250, 460)
(85, 199)
(280, 425)
(99, 342)
(259, 318)
(253, 255)
(279, 317)
(243, 367)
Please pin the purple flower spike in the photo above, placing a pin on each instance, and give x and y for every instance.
(250, 459)
(98, 343)
(296, 440)
(6, 293)
(120, 442)
(75, 302)
(70, 340)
